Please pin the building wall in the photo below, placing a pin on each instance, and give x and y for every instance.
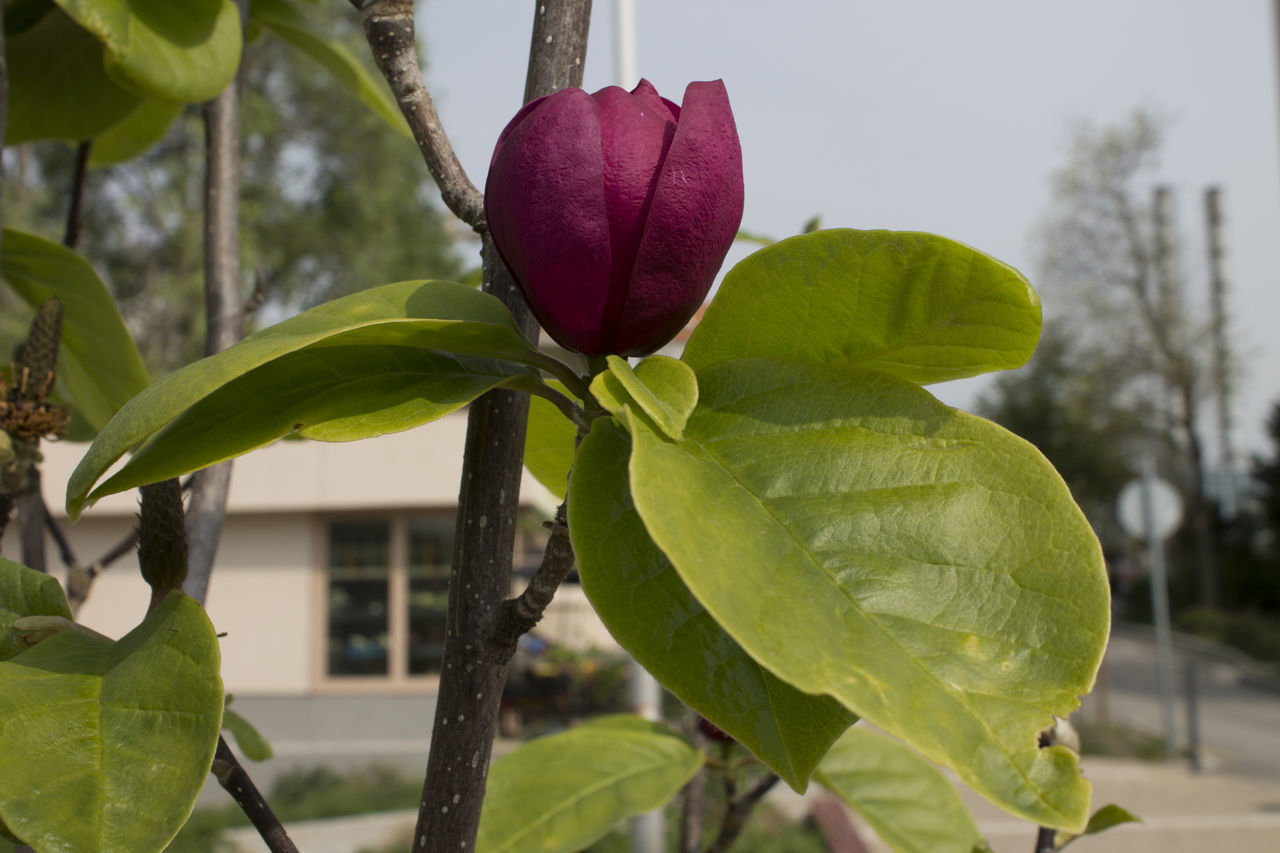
(267, 591)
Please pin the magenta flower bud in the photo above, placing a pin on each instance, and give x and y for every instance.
(614, 211)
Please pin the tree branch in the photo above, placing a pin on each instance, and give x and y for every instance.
(232, 776)
(519, 615)
(224, 311)
(475, 659)
(739, 809)
(389, 29)
(71, 235)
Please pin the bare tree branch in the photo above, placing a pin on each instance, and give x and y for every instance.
(224, 311)
(389, 28)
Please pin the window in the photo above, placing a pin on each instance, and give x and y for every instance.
(386, 594)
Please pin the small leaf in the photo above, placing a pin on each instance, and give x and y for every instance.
(436, 315)
(917, 306)
(663, 388)
(905, 799)
(329, 393)
(1105, 818)
(291, 25)
(650, 612)
(25, 592)
(106, 745)
(139, 130)
(560, 793)
(186, 52)
(549, 443)
(251, 742)
(99, 366)
(923, 566)
(57, 86)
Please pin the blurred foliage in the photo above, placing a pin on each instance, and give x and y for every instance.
(306, 794)
(324, 181)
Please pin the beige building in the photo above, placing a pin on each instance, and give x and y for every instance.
(331, 576)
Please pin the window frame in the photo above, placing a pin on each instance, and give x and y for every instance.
(398, 677)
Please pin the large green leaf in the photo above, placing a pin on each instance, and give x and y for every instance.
(57, 86)
(549, 443)
(559, 793)
(331, 393)
(187, 51)
(26, 592)
(99, 366)
(917, 306)
(436, 315)
(923, 566)
(290, 24)
(648, 609)
(905, 799)
(139, 130)
(105, 745)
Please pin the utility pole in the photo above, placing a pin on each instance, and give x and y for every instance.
(1228, 503)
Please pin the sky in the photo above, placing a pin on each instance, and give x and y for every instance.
(941, 116)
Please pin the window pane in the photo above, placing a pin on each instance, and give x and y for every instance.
(430, 558)
(359, 558)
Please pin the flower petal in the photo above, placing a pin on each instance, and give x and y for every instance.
(544, 201)
(692, 221)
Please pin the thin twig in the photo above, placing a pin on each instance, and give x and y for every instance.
(71, 235)
(739, 809)
(520, 615)
(389, 29)
(232, 776)
(1046, 840)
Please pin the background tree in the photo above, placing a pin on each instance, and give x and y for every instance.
(323, 178)
(1110, 256)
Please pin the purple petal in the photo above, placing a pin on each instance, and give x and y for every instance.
(634, 139)
(544, 200)
(692, 220)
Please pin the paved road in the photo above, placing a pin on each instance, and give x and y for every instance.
(1239, 722)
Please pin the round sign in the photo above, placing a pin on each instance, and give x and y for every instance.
(1166, 508)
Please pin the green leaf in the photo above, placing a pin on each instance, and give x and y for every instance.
(329, 393)
(650, 612)
(185, 52)
(106, 745)
(559, 793)
(99, 366)
(139, 130)
(923, 566)
(905, 799)
(57, 86)
(25, 592)
(549, 443)
(917, 306)
(663, 388)
(436, 315)
(290, 24)
(1105, 818)
(251, 742)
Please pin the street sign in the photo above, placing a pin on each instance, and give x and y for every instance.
(1166, 508)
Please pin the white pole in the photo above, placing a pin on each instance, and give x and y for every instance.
(624, 32)
(1159, 606)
